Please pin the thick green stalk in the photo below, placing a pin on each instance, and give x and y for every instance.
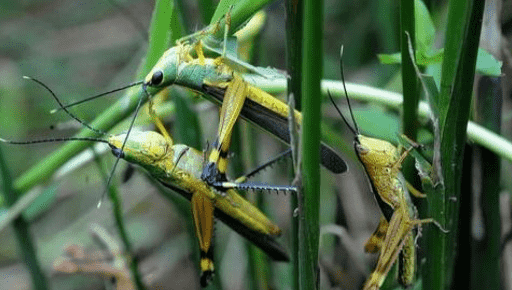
(410, 87)
(462, 39)
(309, 202)
(409, 78)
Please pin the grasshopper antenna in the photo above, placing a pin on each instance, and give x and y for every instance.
(241, 182)
(119, 153)
(354, 129)
(96, 96)
(58, 139)
(63, 107)
(53, 140)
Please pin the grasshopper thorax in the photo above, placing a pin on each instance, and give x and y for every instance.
(143, 147)
(375, 151)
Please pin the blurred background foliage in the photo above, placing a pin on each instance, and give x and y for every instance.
(82, 48)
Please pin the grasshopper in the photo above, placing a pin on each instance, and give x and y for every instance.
(218, 82)
(179, 167)
(394, 235)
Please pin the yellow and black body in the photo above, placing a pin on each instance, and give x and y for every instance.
(179, 167)
(394, 235)
(216, 81)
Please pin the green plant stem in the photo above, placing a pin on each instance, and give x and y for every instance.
(309, 202)
(21, 228)
(117, 211)
(294, 48)
(462, 39)
(409, 78)
(46, 167)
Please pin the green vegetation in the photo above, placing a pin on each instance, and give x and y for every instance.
(82, 49)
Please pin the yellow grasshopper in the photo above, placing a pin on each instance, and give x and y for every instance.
(394, 235)
(215, 79)
(179, 167)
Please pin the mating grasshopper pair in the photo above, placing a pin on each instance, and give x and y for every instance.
(179, 168)
(218, 82)
(214, 79)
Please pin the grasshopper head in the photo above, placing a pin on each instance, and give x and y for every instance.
(164, 73)
(375, 152)
(142, 148)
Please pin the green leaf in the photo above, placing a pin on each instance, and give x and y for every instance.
(425, 30)
(222, 9)
(422, 58)
(377, 123)
(487, 65)
(242, 11)
(390, 58)
(159, 33)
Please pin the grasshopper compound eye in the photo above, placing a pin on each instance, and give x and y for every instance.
(117, 151)
(157, 78)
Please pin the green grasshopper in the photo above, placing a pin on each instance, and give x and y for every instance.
(179, 167)
(219, 83)
(394, 235)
